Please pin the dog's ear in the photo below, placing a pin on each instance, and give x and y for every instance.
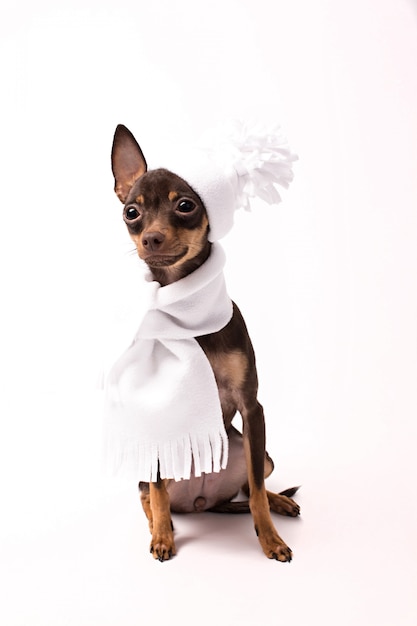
(128, 162)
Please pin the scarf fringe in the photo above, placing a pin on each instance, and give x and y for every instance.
(176, 459)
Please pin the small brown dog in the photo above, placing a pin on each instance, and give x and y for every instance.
(169, 226)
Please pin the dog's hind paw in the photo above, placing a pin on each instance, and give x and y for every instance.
(283, 505)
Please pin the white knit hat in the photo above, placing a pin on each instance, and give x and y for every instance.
(235, 163)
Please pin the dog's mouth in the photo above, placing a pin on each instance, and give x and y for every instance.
(163, 260)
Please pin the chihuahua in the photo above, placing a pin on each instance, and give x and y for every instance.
(169, 226)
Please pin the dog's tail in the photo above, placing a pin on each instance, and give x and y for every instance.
(243, 506)
(289, 492)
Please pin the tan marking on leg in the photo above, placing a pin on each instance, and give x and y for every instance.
(146, 505)
(162, 544)
(269, 467)
(272, 544)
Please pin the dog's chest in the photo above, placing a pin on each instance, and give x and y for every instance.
(230, 370)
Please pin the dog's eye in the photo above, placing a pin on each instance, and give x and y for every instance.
(131, 213)
(186, 206)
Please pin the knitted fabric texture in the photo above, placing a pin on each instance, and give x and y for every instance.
(163, 410)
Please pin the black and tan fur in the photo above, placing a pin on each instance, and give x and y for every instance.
(168, 224)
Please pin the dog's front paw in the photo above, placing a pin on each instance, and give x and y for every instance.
(163, 546)
(281, 553)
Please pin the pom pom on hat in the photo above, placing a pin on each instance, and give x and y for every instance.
(234, 164)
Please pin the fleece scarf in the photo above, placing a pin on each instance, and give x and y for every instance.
(163, 411)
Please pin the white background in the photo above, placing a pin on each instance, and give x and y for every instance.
(327, 282)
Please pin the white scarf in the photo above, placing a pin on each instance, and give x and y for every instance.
(163, 408)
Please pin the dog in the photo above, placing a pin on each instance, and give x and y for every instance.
(169, 225)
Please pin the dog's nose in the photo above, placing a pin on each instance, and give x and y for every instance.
(153, 240)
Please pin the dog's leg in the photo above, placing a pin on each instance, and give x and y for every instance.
(281, 503)
(254, 443)
(145, 499)
(162, 544)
